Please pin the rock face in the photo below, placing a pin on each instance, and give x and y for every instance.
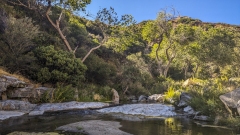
(156, 110)
(8, 81)
(10, 105)
(115, 97)
(95, 127)
(231, 99)
(51, 107)
(156, 98)
(27, 92)
(11, 87)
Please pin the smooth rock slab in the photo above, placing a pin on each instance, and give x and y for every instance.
(52, 107)
(23, 106)
(160, 110)
(26, 133)
(8, 114)
(94, 127)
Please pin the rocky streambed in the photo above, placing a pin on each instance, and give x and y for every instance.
(97, 118)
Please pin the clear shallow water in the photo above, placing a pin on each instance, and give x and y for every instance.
(170, 126)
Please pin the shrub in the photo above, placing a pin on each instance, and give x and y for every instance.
(59, 94)
(206, 97)
(59, 66)
(172, 95)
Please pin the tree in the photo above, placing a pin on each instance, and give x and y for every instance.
(65, 5)
(165, 37)
(17, 42)
(111, 28)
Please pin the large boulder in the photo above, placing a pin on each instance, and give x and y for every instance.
(231, 100)
(115, 97)
(156, 98)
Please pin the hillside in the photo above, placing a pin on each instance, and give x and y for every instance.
(52, 46)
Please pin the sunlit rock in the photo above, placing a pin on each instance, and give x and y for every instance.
(142, 109)
(8, 114)
(156, 98)
(52, 107)
(115, 96)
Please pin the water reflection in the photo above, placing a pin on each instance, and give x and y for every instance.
(171, 126)
(131, 124)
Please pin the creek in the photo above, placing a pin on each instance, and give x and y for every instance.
(137, 126)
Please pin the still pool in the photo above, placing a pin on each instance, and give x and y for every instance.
(136, 126)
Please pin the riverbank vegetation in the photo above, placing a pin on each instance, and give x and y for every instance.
(47, 43)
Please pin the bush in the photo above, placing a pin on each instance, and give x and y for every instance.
(206, 97)
(59, 94)
(172, 95)
(16, 43)
(99, 71)
(59, 66)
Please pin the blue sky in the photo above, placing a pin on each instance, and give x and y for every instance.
(223, 11)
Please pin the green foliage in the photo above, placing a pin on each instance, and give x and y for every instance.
(87, 92)
(59, 94)
(172, 95)
(230, 122)
(16, 43)
(58, 66)
(206, 97)
(99, 71)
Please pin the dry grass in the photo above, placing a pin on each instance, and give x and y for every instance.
(20, 77)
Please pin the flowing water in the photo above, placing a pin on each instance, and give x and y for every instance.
(150, 126)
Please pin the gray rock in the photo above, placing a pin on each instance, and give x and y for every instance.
(142, 98)
(132, 98)
(22, 106)
(51, 107)
(238, 107)
(189, 110)
(115, 97)
(184, 99)
(134, 101)
(27, 92)
(8, 114)
(231, 99)
(32, 133)
(156, 98)
(9, 81)
(202, 118)
(95, 127)
(142, 109)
